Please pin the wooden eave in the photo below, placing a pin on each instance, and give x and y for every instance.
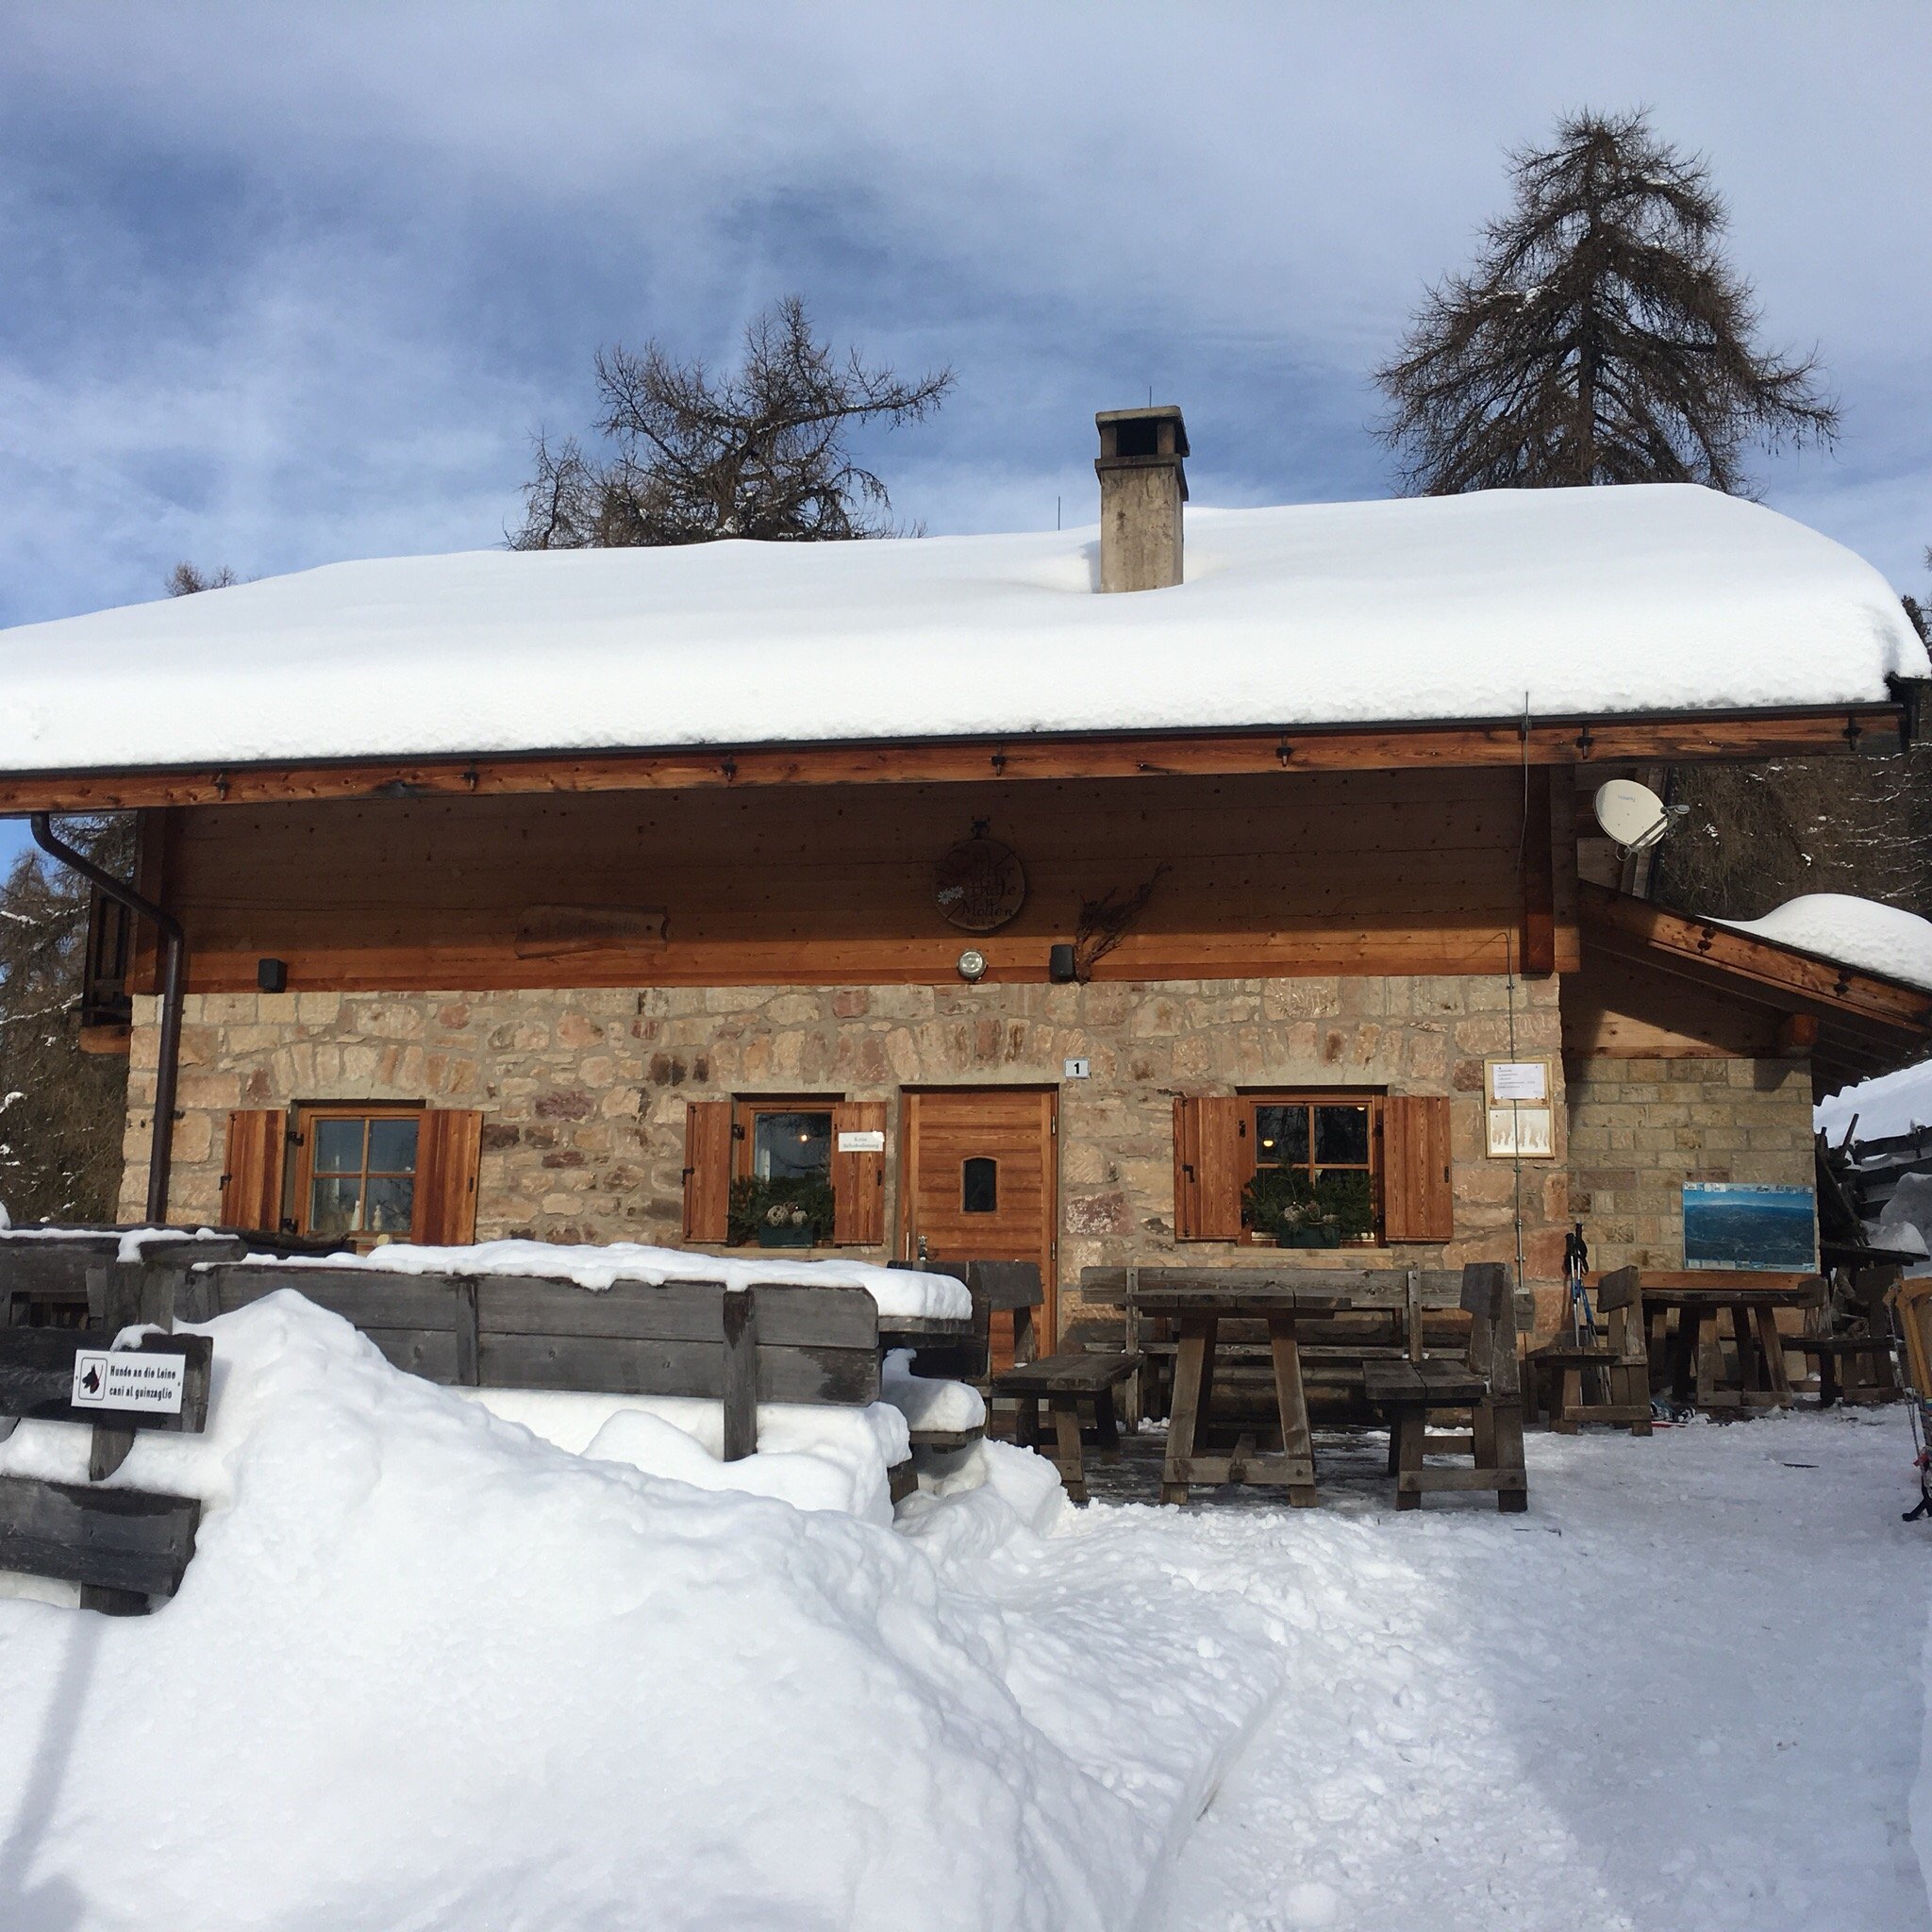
(1867, 1023)
(1506, 743)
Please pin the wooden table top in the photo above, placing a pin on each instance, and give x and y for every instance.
(1812, 1296)
(1237, 1303)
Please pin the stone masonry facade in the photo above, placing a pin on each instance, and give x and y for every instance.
(583, 1091)
(1640, 1129)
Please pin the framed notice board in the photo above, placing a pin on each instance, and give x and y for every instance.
(1519, 1108)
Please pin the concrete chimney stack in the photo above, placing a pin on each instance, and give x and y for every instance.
(1142, 486)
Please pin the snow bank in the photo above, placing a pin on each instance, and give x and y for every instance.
(902, 1293)
(1649, 597)
(927, 1402)
(428, 1671)
(812, 1457)
(1850, 932)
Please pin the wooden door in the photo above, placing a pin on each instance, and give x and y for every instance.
(979, 1180)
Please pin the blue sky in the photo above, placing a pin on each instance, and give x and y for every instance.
(288, 285)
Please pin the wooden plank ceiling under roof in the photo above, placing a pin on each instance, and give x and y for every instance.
(1854, 1023)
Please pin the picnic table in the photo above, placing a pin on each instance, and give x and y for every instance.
(1689, 1361)
(1197, 1308)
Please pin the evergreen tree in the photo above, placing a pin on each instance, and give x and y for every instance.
(61, 1110)
(1600, 337)
(758, 452)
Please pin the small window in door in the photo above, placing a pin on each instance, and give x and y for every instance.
(980, 1185)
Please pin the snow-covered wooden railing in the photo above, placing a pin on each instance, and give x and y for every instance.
(774, 1341)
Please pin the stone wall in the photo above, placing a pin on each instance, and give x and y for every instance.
(584, 1092)
(1640, 1129)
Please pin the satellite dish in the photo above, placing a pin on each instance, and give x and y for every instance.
(1633, 816)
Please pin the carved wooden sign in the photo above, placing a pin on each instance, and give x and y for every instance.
(979, 885)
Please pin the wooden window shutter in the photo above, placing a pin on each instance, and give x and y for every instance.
(252, 1169)
(1418, 1204)
(1208, 1166)
(448, 1141)
(706, 1170)
(858, 1180)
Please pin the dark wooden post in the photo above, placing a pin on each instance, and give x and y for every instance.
(118, 1295)
(467, 1342)
(741, 1374)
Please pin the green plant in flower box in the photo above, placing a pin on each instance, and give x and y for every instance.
(1298, 1210)
(793, 1212)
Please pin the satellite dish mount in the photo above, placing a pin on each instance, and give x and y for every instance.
(1633, 816)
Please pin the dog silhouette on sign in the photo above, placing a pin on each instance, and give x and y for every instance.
(91, 1380)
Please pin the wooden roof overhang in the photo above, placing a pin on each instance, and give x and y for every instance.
(1505, 742)
(1864, 1024)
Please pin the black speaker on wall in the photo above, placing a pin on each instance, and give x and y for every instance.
(271, 975)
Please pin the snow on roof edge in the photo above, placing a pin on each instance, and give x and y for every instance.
(1648, 600)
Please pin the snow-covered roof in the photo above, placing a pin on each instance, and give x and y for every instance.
(1891, 1104)
(1848, 931)
(1642, 599)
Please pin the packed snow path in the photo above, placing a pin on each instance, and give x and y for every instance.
(1684, 1691)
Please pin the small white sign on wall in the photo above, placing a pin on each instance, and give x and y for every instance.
(863, 1140)
(1520, 1080)
(1077, 1069)
(120, 1378)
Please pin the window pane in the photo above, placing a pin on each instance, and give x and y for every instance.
(391, 1206)
(334, 1207)
(339, 1146)
(1281, 1135)
(791, 1146)
(980, 1185)
(1342, 1133)
(392, 1147)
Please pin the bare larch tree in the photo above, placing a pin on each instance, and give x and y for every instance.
(186, 578)
(760, 451)
(1600, 337)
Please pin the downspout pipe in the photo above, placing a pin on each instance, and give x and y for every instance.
(173, 984)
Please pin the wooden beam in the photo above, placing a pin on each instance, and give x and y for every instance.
(1538, 876)
(1670, 936)
(1563, 741)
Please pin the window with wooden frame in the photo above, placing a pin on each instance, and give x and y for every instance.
(785, 1171)
(1342, 1164)
(1314, 1167)
(355, 1170)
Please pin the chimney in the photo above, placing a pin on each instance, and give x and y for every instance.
(1142, 487)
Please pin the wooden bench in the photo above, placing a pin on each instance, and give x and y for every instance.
(1484, 1382)
(1063, 1382)
(1387, 1309)
(1855, 1369)
(1574, 1383)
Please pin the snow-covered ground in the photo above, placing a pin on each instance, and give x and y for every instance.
(429, 1670)
(1684, 1691)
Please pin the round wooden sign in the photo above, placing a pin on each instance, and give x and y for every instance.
(979, 885)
